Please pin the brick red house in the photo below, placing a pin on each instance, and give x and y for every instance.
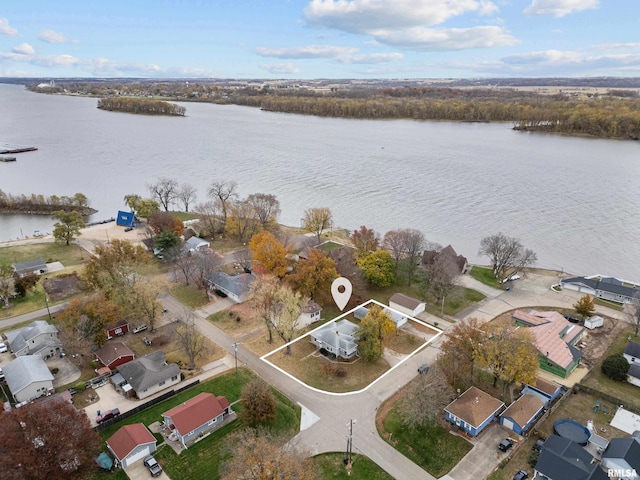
(114, 354)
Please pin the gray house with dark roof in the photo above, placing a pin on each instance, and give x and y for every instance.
(37, 266)
(623, 454)
(149, 374)
(236, 287)
(37, 338)
(563, 459)
(632, 353)
(28, 378)
(607, 288)
(338, 338)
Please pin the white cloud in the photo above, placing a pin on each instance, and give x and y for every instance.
(362, 16)
(559, 8)
(286, 68)
(6, 29)
(371, 58)
(24, 49)
(616, 46)
(42, 60)
(309, 51)
(446, 39)
(558, 62)
(50, 36)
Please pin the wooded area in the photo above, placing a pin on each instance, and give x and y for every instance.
(141, 106)
(41, 205)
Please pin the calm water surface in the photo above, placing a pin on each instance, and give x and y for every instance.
(574, 201)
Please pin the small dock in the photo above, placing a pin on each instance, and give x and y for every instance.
(11, 148)
(7, 159)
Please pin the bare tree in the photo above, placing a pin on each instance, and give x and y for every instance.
(317, 220)
(187, 194)
(205, 265)
(266, 208)
(165, 191)
(192, 342)
(426, 398)
(440, 276)
(242, 221)
(507, 255)
(210, 216)
(185, 267)
(286, 313)
(224, 192)
(405, 244)
(6, 284)
(263, 299)
(258, 404)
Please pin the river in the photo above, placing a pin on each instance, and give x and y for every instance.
(574, 201)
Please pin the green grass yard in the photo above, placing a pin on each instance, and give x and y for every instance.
(331, 466)
(189, 295)
(69, 256)
(484, 275)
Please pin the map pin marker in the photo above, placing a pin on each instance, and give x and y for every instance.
(341, 297)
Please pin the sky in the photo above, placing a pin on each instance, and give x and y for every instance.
(310, 39)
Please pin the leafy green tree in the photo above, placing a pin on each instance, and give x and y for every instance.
(68, 226)
(585, 306)
(378, 268)
(615, 367)
(167, 240)
(258, 404)
(373, 329)
(316, 220)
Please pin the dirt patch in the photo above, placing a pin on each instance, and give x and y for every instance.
(62, 286)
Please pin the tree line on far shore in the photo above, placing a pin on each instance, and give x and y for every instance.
(144, 106)
(44, 205)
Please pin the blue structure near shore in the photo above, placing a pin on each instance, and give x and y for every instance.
(125, 219)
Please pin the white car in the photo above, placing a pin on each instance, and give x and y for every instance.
(511, 278)
(3, 348)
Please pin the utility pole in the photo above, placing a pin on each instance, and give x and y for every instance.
(235, 352)
(349, 456)
(46, 301)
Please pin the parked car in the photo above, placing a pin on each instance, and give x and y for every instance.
(128, 229)
(147, 341)
(505, 444)
(108, 415)
(139, 328)
(520, 475)
(511, 278)
(1, 374)
(3, 348)
(424, 368)
(154, 467)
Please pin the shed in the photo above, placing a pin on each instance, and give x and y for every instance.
(131, 443)
(125, 219)
(522, 413)
(407, 305)
(114, 354)
(546, 390)
(118, 330)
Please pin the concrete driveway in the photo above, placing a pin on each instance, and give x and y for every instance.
(67, 371)
(138, 471)
(484, 456)
(109, 399)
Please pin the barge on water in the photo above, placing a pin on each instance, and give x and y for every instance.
(9, 148)
(7, 159)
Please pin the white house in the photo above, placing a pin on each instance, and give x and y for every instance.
(407, 305)
(28, 378)
(37, 338)
(131, 443)
(236, 287)
(195, 244)
(338, 338)
(149, 374)
(632, 353)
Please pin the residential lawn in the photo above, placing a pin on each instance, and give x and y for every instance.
(484, 275)
(305, 364)
(458, 299)
(68, 255)
(227, 320)
(203, 459)
(184, 216)
(34, 300)
(433, 448)
(328, 246)
(98, 474)
(612, 305)
(189, 295)
(403, 342)
(625, 391)
(331, 465)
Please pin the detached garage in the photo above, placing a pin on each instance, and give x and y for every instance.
(131, 443)
(522, 413)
